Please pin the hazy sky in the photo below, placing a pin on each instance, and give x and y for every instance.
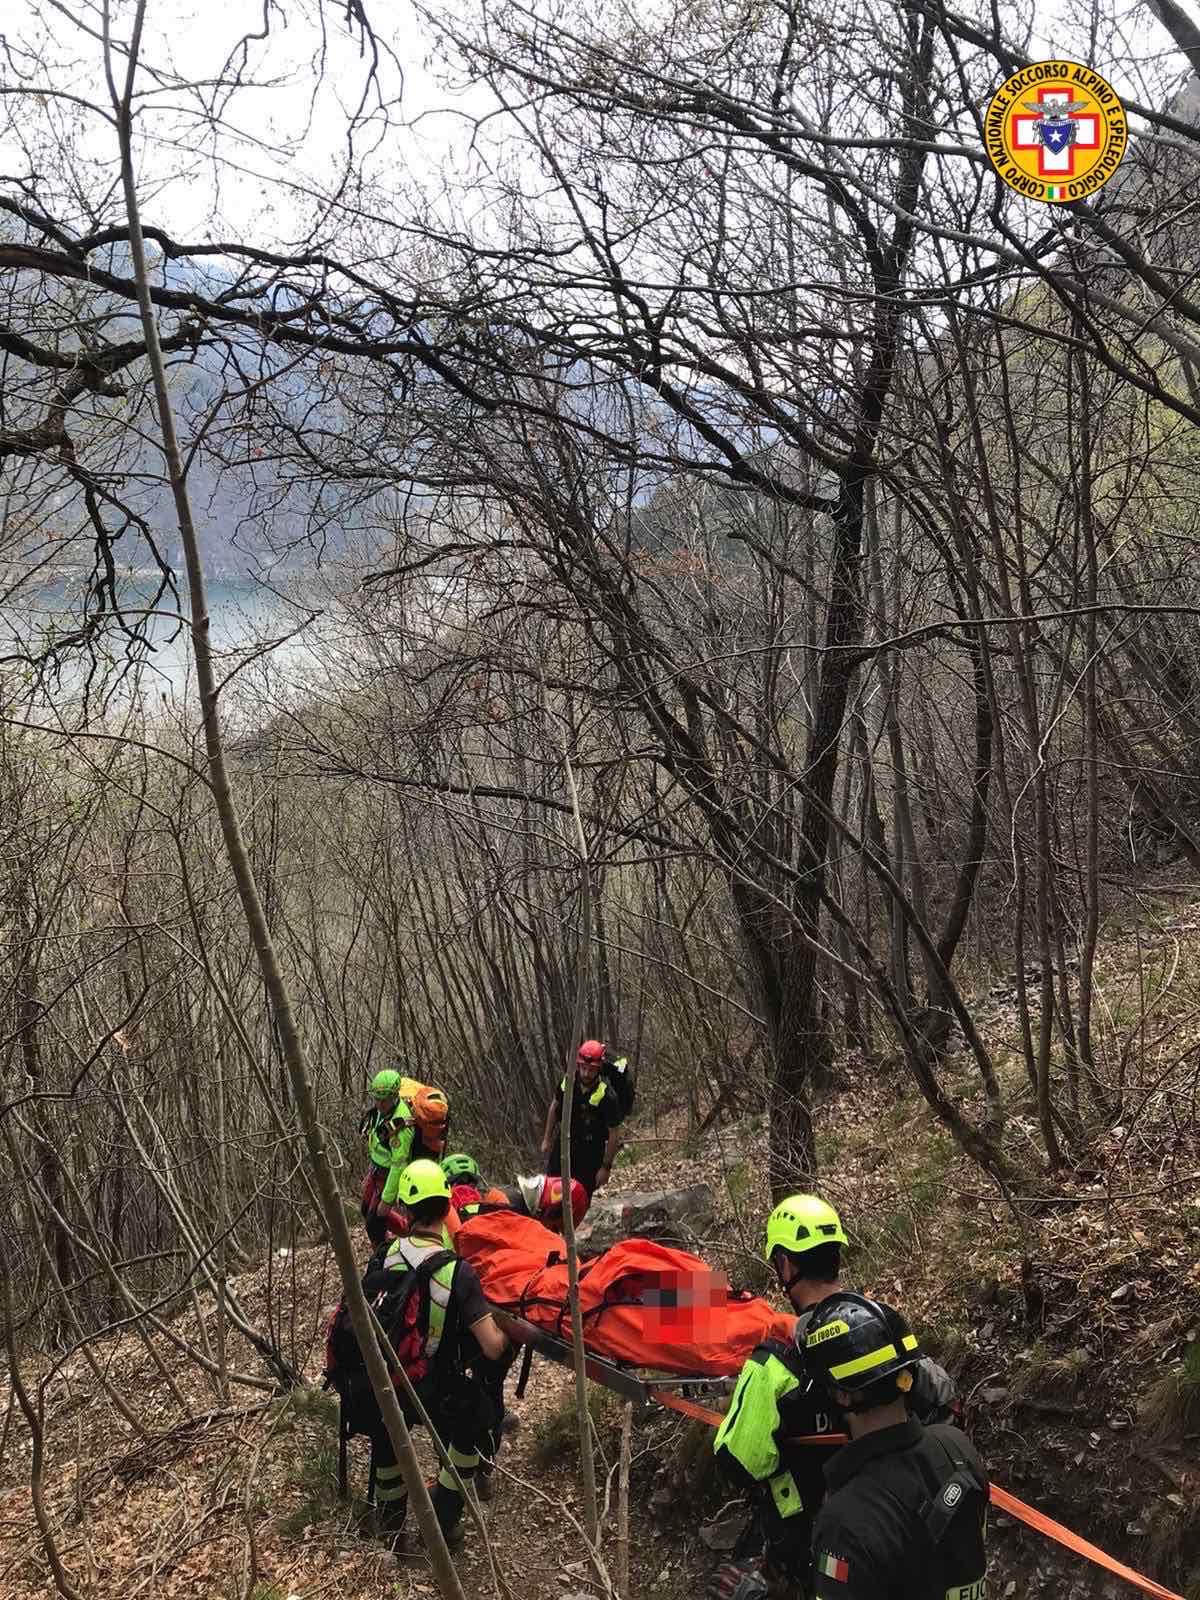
(289, 128)
(290, 131)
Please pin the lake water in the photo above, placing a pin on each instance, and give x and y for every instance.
(249, 628)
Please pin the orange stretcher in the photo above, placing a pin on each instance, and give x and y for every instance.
(666, 1311)
(641, 1302)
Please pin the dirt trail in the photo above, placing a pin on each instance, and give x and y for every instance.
(240, 1505)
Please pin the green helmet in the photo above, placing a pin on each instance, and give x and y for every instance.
(862, 1347)
(423, 1180)
(385, 1084)
(801, 1222)
(460, 1166)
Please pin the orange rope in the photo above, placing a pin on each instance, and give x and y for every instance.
(1008, 1503)
(689, 1408)
(1001, 1499)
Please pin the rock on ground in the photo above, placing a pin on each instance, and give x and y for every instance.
(671, 1216)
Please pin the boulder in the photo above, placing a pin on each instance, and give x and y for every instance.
(724, 1533)
(671, 1216)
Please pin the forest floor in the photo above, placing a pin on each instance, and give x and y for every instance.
(1065, 1367)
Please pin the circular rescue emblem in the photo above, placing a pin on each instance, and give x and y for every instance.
(952, 1494)
(1055, 131)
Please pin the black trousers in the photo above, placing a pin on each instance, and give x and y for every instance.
(461, 1407)
(585, 1165)
(492, 1374)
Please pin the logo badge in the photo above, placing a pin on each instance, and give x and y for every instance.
(829, 1331)
(952, 1494)
(1055, 131)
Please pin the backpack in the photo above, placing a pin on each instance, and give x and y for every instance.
(622, 1080)
(932, 1397)
(953, 1514)
(431, 1114)
(401, 1302)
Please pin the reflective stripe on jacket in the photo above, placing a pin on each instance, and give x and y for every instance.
(596, 1095)
(401, 1134)
(412, 1252)
(749, 1434)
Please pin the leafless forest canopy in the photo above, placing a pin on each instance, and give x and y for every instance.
(710, 426)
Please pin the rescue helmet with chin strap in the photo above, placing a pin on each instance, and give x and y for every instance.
(800, 1223)
(423, 1180)
(861, 1347)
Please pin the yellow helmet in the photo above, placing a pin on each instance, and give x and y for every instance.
(801, 1222)
(423, 1180)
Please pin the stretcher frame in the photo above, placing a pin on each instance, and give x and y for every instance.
(658, 1391)
(624, 1380)
(631, 1385)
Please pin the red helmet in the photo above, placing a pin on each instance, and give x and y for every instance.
(589, 1050)
(552, 1199)
(465, 1194)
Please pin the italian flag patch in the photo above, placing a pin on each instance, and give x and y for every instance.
(1055, 191)
(834, 1567)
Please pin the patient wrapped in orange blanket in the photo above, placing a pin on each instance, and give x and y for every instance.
(641, 1302)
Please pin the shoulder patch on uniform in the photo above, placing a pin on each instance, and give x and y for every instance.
(952, 1494)
(832, 1566)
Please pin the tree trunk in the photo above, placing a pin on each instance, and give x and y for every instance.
(290, 1043)
(583, 1417)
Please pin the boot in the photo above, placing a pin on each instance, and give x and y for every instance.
(390, 1517)
(448, 1507)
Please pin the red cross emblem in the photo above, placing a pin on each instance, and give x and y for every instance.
(1056, 129)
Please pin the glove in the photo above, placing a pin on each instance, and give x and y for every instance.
(493, 1371)
(396, 1222)
(932, 1397)
(738, 1580)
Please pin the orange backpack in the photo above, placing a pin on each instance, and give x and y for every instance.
(431, 1114)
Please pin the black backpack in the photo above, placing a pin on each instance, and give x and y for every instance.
(953, 1516)
(621, 1079)
(401, 1302)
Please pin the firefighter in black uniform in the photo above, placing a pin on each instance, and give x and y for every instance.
(906, 1505)
(775, 1401)
(596, 1115)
